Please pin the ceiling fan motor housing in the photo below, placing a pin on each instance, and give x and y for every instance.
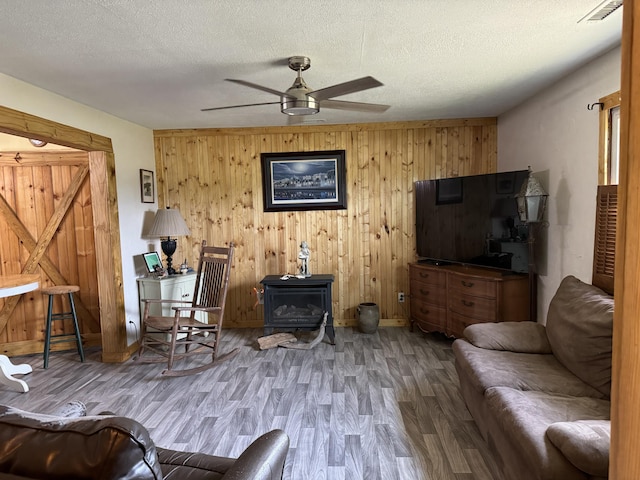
(306, 106)
(298, 100)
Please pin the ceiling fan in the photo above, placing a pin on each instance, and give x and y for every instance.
(299, 99)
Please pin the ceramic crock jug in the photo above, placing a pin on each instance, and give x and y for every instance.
(368, 317)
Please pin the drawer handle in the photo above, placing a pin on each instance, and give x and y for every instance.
(466, 284)
(424, 275)
(186, 295)
(422, 310)
(467, 303)
(424, 292)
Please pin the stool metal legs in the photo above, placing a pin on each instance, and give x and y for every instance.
(51, 317)
(47, 338)
(76, 327)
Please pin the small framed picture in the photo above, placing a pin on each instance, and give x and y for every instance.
(147, 187)
(152, 261)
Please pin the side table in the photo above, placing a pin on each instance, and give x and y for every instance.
(298, 303)
(172, 287)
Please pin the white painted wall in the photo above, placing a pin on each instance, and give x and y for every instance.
(557, 136)
(133, 149)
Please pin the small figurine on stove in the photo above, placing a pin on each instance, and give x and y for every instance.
(304, 257)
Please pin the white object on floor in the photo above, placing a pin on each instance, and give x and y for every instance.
(11, 285)
(8, 369)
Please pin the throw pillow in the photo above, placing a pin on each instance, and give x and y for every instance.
(579, 329)
(585, 443)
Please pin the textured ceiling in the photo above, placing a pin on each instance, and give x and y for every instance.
(158, 62)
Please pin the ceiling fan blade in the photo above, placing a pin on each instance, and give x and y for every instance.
(258, 87)
(352, 86)
(358, 106)
(238, 106)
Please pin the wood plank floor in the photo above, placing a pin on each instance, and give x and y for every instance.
(378, 406)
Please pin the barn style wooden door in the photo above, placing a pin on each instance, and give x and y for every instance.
(46, 227)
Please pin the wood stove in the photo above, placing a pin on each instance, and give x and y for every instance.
(297, 303)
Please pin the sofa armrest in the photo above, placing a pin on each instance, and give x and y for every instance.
(585, 443)
(520, 337)
(262, 460)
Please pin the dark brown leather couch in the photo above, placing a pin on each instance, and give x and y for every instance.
(106, 447)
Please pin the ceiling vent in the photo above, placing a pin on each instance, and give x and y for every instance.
(602, 11)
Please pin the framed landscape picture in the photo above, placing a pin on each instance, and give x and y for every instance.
(304, 181)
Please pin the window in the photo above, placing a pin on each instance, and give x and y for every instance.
(609, 151)
(613, 159)
(604, 248)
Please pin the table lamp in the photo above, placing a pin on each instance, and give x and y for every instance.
(168, 223)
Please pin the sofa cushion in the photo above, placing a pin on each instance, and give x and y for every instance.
(585, 443)
(522, 337)
(579, 328)
(100, 447)
(522, 371)
(523, 419)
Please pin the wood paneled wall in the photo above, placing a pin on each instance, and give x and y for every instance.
(213, 176)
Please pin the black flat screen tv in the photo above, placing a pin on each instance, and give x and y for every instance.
(472, 221)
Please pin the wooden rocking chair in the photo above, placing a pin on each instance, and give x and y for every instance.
(165, 335)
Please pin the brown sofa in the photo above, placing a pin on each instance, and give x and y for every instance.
(540, 393)
(71, 446)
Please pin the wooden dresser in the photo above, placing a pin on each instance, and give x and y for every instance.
(449, 298)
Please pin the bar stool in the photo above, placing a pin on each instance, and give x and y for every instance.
(51, 317)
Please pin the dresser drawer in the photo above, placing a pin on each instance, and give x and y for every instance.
(428, 293)
(427, 275)
(428, 317)
(457, 324)
(472, 285)
(470, 306)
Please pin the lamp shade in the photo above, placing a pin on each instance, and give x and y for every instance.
(532, 200)
(168, 223)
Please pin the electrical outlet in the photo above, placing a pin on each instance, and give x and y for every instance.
(400, 297)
